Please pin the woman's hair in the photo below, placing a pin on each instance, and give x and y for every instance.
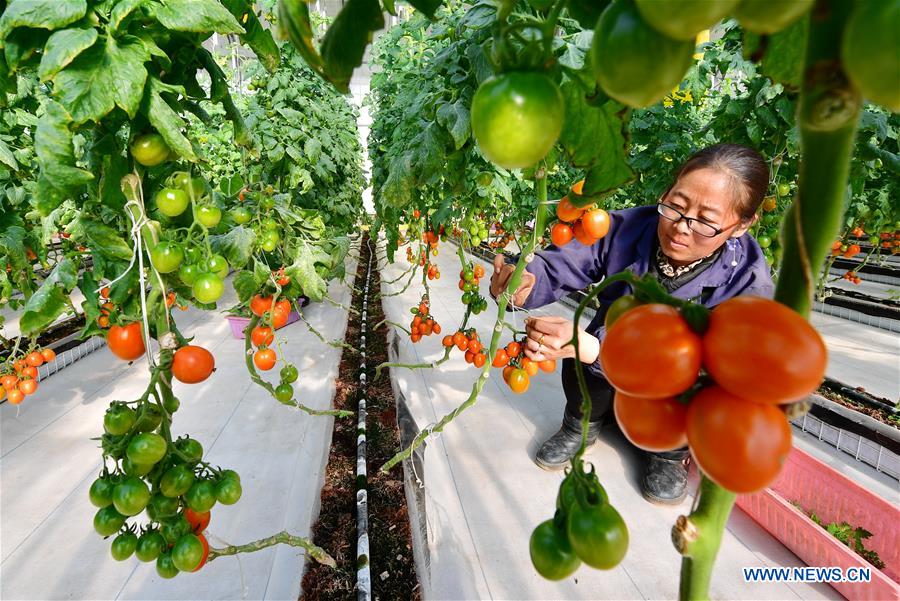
(747, 169)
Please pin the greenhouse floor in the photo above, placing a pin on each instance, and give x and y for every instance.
(480, 494)
(49, 549)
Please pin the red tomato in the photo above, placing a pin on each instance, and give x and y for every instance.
(262, 336)
(192, 364)
(548, 365)
(651, 352)
(762, 351)
(513, 349)
(126, 342)
(34, 359)
(531, 367)
(30, 372)
(260, 304)
(198, 521)
(264, 359)
(448, 340)
(480, 359)
(205, 552)
(501, 359)
(595, 223)
(739, 444)
(27, 387)
(15, 396)
(652, 424)
(561, 234)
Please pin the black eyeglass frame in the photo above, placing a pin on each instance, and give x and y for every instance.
(690, 221)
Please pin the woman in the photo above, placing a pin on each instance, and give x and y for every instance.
(694, 241)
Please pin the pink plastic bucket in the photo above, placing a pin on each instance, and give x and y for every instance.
(834, 498)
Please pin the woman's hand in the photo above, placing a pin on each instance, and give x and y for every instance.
(549, 337)
(500, 278)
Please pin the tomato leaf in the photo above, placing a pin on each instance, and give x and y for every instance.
(42, 14)
(303, 271)
(400, 183)
(22, 44)
(115, 167)
(7, 157)
(49, 301)
(55, 150)
(245, 285)
(165, 120)
(120, 12)
(12, 240)
(596, 137)
(784, 53)
(256, 36)
(345, 41)
(202, 16)
(110, 73)
(100, 237)
(455, 117)
(219, 93)
(429, 7)
(236, 245)
(62, 48)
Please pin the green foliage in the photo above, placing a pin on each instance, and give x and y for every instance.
(847, 534)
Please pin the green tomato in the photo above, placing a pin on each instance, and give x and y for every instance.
(476, 241)
(161, 507)
(150, 546)
(218, 265)
(684, 19)
(208, 288)
(123, 546)
(171, 404)
(193, 254)
(208, 215)
(270, 224)
(874, 240)
(517, 118)
(598, 534)
(165, 567)
(146, 448)
(149, 149)
(241, 215)
(177, 481)
(149, 417)
(172, 202)
(175, 528)
(100, 492)
(131, 496)
(870, 49)
(284, 392)
(485, 179)
(784, 189)
(119, 419)
(764, 241)
(268, 244)
(289, 374)
(189, 274)
(136, 469)
(766, 17)
(266, 203)
(229, 475)
(551, 553)
(187, 553)
(634, 63)
(108, 521)
(618, 307)
(167, 256)
(197, 189)
(202, 496)
(228, 491)
(191, 448)
(179, 179)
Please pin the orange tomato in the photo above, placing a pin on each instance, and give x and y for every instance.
(582, 235)
(595, 223)
(739, 444)
(762, 351)
(548, 365)
(15, 396)
(652, 424)
(531, 367)
(260, 304)
(28, 386)
(264, 359)
(518, 381)
(578, 186)
(447, 341)
(566, 211)
(126, 342)
(501, 359)
(513, 349)
(192, 364)
(262, 336)
(34, 359)
(480, 359)
(651, 352)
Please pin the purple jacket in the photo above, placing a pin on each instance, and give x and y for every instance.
(740, 269)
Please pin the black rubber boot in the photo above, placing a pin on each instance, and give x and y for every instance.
(561, 447)
(665, 477)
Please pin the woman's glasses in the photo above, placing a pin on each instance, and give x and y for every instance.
(695, 225)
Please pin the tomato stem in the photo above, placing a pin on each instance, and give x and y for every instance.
(282, 538)
(699, 536)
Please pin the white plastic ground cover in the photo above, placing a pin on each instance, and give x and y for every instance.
(49, 549)
(484, 495)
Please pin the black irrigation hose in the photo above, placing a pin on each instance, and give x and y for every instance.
(363, 562)
(863, 398)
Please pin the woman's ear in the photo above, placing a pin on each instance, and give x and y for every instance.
(744, 226)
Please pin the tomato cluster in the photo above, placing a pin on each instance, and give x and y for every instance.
(468, 342)
(434, 273)
(517, 368)
(20, 375)
(167, 480)
(585, 528)
(469, 280)
(423, 323)
(851, 276)
(756, 353)
(848, 251)
(587, 225)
